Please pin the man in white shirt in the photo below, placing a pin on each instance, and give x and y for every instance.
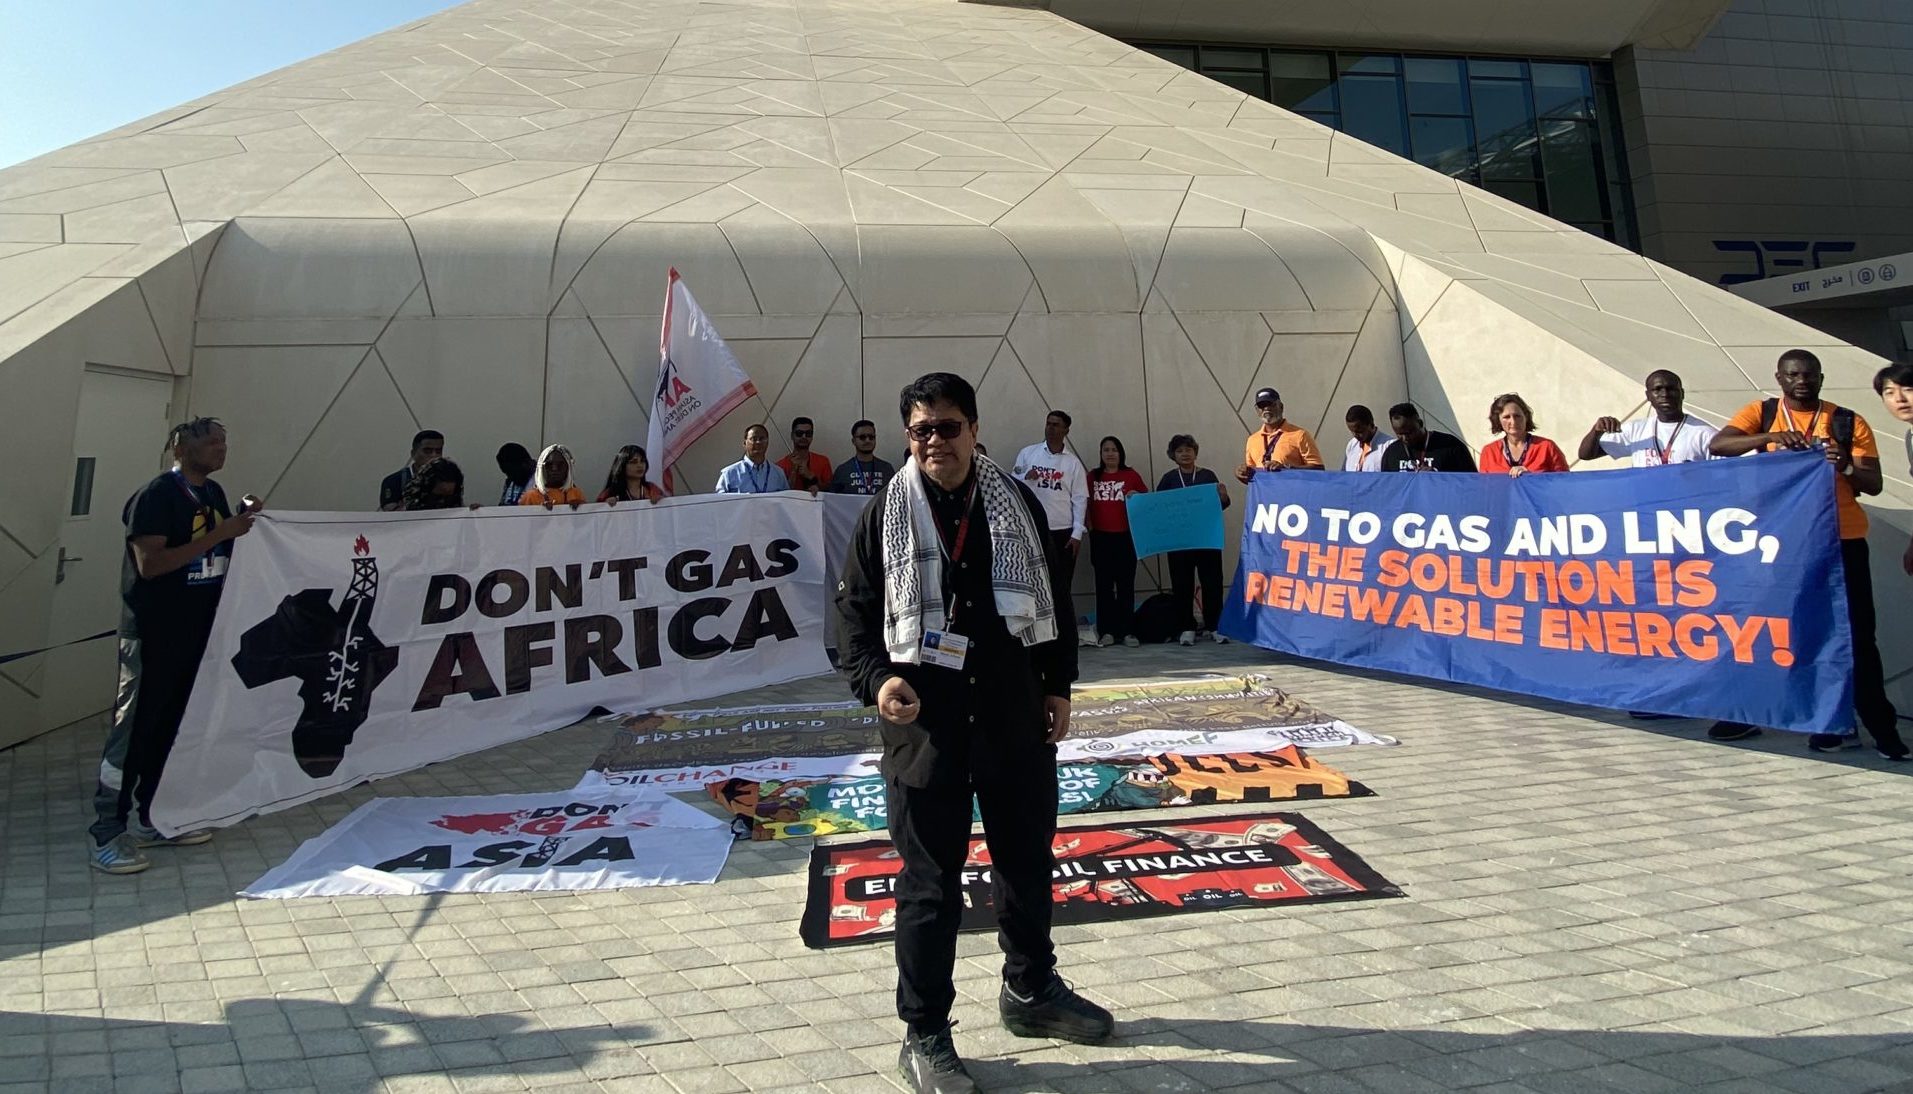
(1061, 484)
(1670, 436)
(1365, 442)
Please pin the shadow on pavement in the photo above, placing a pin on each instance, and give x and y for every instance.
(1277, 1056)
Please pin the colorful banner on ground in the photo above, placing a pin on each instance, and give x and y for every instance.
(560, 840)
(1188, 519)
(1107, 872)
(1711, 590)
(794, 808)
(687, 749)
(352, 646)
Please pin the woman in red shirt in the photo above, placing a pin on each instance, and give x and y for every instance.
(1520, 450)
(1111, 552)
(627, 481)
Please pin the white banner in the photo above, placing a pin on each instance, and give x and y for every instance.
(353, 646)
(608, 839)
(1073, 750)
(699, 380)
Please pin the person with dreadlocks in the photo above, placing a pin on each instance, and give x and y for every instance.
(552, 484)
(440, 484)
(179, 533)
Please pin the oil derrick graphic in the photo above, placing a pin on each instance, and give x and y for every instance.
(332, 652)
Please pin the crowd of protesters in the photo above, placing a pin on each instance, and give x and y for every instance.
(180, 528)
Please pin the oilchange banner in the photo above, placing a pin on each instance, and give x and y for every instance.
(352, 646)
(1713, 590)
(687, 749)
(789, 808)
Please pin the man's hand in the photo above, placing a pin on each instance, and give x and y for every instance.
(1075, 546)
(897, 702)
(1839, 458)
(1244, 473)
(1056, 715)
(1787, 438)
(234, 526)
(252, 503)
(1609, 424)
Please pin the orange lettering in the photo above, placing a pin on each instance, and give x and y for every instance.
(1654, 634)
(1741, 635)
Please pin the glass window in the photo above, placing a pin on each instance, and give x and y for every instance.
(1563, 91)
(1249, 83)
(82, 487)
(1444, 144)
(1232, 58)
(1182, 55)
(1372, 111)
(1301, 82)
(1434, 86)
(1507, 70)
(1521, 193)
(1504, 126)
(1574, 180)
(1372, 64)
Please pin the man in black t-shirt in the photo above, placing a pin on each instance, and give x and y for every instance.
(1418, 448)
(179, 533)
(862, 473)
(427, 445)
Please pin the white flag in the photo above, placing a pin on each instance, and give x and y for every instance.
(699, 380)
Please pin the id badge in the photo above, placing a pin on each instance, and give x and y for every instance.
(944, 650)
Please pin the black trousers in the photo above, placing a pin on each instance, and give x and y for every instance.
(931, 829)
(1063, 567)
(1869, 678)
(1184, 568)
(1113, 556)
(168, 662)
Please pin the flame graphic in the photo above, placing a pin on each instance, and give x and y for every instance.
(361, 547)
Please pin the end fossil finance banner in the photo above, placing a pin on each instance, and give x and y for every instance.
(352, 646)
(1712, 590)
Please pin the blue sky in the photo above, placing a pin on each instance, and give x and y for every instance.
(72, 68)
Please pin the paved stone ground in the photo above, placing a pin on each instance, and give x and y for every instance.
(1593, 905)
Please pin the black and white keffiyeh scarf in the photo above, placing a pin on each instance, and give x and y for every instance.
(913, 562)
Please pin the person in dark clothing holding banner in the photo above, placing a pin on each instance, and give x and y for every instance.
(1418, 448)
(179, 533)
(948, 607)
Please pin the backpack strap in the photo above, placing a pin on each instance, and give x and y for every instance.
(1841, 427)
(1769, 410)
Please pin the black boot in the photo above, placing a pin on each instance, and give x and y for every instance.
(1054, 1011)
(930, 1064)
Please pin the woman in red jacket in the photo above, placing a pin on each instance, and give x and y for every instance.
(1111, 552)
(1520, 450)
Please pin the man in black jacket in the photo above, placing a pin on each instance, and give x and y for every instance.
(950, 628)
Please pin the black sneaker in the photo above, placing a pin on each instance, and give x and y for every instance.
(930, 1064)
(1054, 1011)
(1731, 731)
(1889, 745)
(1833, 742)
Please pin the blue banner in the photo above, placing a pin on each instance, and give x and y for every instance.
(1711, 590)
(1185, 519)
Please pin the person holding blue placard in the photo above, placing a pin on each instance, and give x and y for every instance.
(1186, 566)
(1112, 553)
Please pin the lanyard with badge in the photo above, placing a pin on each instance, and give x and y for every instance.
(1665, 449)
(940, 647)
(210, 566)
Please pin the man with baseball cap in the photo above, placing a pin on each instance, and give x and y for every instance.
(1279, 443)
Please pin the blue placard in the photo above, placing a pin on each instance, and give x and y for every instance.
(1176, 520)
(1712, 590)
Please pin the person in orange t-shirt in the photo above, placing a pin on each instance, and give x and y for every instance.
(805, 469)
(1802, 420)
(551, 484)
(1520, 450)
(1278, 444)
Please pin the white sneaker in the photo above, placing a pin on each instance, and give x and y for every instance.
(1085, 637)
(1131, 641)
(150, 837)
(1220, 641)
(1188, 638)
(1107, 640)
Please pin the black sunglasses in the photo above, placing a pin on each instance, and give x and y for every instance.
(947, 429)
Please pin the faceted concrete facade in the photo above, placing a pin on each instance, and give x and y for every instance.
(465, 224)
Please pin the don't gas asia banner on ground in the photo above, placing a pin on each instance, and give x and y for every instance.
(354, 646)
(1711, 590)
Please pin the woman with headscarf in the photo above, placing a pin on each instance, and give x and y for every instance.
(440, 484)
(551, 484)
(626, 481)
